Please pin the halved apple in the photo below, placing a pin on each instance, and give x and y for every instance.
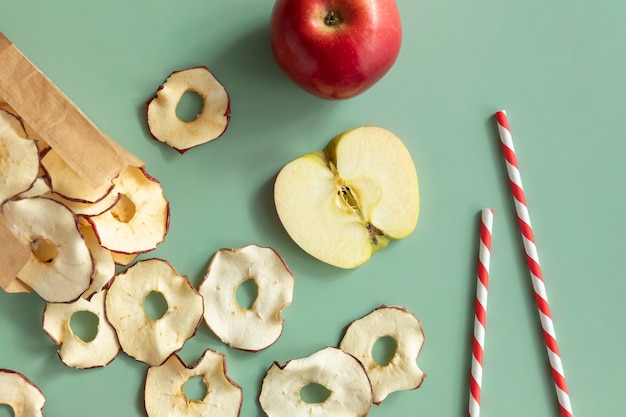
(139, 220)
(60, 267)
(402, 372)
(348, 201)
(164, 395)
(21, 394)
(19, 158)
(339, 373)
(260, 325)
(211, 122)
(152, 340)
(73, 350)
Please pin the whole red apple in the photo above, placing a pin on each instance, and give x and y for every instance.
(335, 48)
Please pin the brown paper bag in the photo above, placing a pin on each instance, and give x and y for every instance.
(58, 121)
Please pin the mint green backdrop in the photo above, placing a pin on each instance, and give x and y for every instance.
(558, 68)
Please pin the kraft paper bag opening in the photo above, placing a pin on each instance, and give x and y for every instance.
(57, 120)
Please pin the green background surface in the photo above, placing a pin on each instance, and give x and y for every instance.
(558, 68)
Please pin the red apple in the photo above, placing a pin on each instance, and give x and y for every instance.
(335, 49)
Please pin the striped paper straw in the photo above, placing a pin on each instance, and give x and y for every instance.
(541, 297)
(480, 318)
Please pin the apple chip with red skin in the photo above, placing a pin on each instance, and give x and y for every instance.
(210, 123)
(259, 326)
(164, 395)
(60, 267)
(65, 182)
(73, 350)
(147, 340)
(139, 220)
(19, 158)
(402, 372)
(19, 393)
(337, 371)
(103, 262)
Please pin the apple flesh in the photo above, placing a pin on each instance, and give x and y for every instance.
(164, 395)
(335, 370)
(22, 396)
(348, 201)
(335, 49)
(259, 326)
(210, 123)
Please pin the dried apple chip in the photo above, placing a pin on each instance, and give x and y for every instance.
(83, 208)
(139, 220)
(19, 393)
(401, 372)
(165, 397)
(259, 326)
(124, 259)
(19, 158)
(104, 265)
(68, 184)
(211, 122)
(149, 340)
(74, 351)
(341, 374)
(60, 267)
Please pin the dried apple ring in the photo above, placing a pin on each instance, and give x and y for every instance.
(148, 340)
(103, 263)
(19, 393)
(67, 183)
(211, 122)
(60, 267)
(259, 326)
(338, 372)
(165, 397)
(19, 158)
(402, 372)
(74, 351)
(139, 219)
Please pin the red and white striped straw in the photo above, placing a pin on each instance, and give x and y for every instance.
(480, 318)
(532, 259)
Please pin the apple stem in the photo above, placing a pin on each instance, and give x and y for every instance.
(374, 233)
(332, 18)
